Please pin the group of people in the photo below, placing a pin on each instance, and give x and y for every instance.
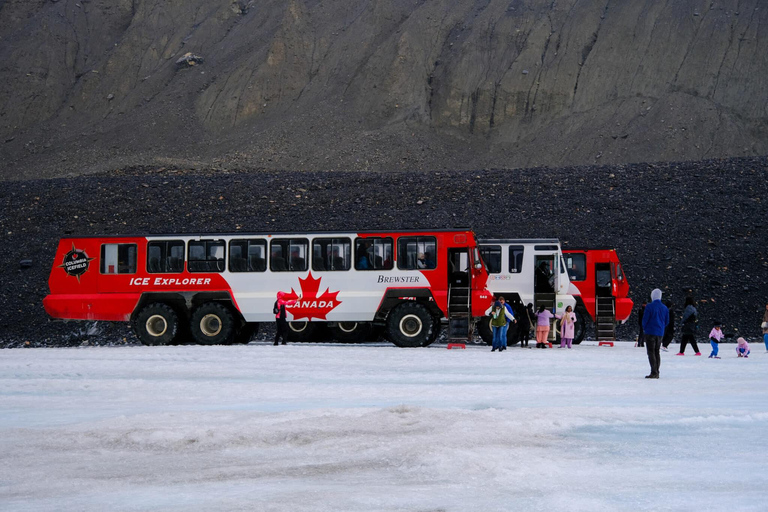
(657, 331)
(502, 315)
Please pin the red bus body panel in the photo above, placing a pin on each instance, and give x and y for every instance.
(619, 286)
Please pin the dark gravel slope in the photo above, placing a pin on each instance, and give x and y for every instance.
(699, 225)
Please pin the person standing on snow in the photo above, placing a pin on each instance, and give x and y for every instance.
(543, 316)
(524, 325)
(715, 335)
(669, 332)
(499, 315)
(765, 327)
(690, 322)
(641, 335)
(567, 327)
(655, 320)
(281, 320)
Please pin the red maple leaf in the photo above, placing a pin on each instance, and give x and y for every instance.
(311, 304)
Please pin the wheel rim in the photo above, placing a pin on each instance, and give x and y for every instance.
(411, 325)
(210, 325)
(348, 327)
(156, 325)
(298, 326)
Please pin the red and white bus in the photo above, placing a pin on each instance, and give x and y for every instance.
(216, 288)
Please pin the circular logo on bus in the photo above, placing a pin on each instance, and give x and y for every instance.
(76, 262)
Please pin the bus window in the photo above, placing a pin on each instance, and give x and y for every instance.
(416, 252)
(491, 255)
(206, 256)
(516, 258)
(576, 265)
(247, 256)
(373, 253)
(289, 255)
(165, 256)
(331, 254)
(118, 259)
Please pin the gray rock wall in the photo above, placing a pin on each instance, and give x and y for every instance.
(406, 84)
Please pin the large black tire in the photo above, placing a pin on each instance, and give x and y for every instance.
(246, 332)
(301, 331)
(212, 324)
(410, 325)
(351, 332)
(435, 331)
(156, 324)
(485, 330)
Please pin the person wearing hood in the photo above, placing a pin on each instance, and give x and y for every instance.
(742, 348)
(655, 320)
(543, 316)
(688, 331)
(281, 331)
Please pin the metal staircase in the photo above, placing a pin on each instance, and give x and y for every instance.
(459, 325)
(605, 321)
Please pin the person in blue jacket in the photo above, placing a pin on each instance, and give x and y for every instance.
(655, 320)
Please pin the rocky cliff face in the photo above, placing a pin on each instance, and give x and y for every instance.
(391, 84)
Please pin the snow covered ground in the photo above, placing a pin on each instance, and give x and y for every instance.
(310, 427)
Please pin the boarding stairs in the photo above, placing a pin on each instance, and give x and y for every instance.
(460, 325)
(605, 318)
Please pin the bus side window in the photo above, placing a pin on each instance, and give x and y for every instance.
(416, 252)
(516, 258)
(491, 255)
(576, 265)
(118, 259)
(166, 256)
(289, 255)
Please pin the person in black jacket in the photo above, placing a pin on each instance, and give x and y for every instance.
(669, 332)
(641, 336)
(690, 320)
(524, 325)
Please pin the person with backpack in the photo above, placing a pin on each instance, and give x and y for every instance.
(688, 331)
(281, 317)
(499, 314)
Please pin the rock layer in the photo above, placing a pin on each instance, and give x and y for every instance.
(307, 85)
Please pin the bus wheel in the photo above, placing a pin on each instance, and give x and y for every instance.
(212, 324)
(436, 327)
(156, 324)
(301, 331)
(485, 330)
(351, 331)
(580, 329)
(410, 325)
(246, 332)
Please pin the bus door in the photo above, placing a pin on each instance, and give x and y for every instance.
(603, 280)
(459, 294)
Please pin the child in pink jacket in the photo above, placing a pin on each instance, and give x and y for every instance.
(742, 349)
(567, 327)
